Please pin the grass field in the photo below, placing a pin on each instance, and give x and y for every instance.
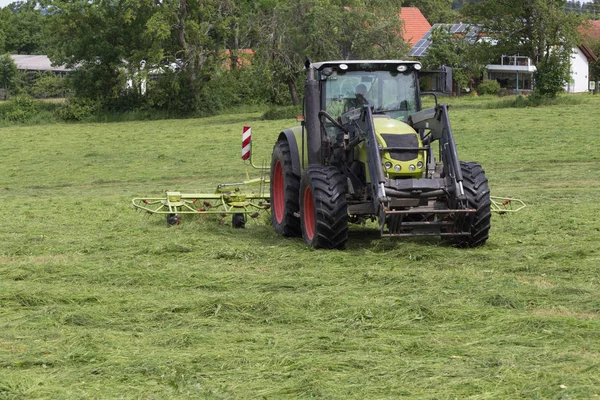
(98, 301)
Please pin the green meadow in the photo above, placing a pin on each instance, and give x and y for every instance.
(98, 301)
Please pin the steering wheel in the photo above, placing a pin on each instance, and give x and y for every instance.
(398, 106)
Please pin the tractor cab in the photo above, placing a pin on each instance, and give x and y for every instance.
(389, 87)
(390, 90)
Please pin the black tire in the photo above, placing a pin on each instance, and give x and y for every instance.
(238, 220)
(475, 185)
(285, 191)
(323, 207)
(173, 219)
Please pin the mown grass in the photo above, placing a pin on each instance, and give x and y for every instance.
(98, 301)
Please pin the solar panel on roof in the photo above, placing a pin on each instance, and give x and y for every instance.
(420, 48)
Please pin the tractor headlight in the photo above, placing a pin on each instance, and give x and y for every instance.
(401, 68)
(419, 165)
(397, 168)
(418, 66)
(343, 67)
(412, 168)
(388, 165)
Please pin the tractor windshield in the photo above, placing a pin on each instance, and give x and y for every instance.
(392, 93)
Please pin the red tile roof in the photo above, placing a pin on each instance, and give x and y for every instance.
(414, 24)
(590, 30)
(590, 33)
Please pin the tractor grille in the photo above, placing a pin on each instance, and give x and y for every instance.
(408, 140)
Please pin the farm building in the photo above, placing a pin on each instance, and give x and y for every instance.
(37, 63)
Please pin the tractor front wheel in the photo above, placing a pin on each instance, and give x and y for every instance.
(323, 208)
(285, 188)
(475, 185)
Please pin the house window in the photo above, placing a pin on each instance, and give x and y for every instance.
(521, 61)
(513, 80)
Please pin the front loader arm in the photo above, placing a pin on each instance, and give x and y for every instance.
(367, 128)
(361, 121)
(436, 121)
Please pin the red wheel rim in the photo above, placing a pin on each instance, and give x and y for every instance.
(309, 214)
(278, 193)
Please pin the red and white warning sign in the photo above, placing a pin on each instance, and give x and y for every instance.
(246, 142)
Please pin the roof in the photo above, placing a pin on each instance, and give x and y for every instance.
(384, 64)
(36, 63)
(243, 58)
(590, 30)
(414, 24)
(588, 53)
(420, 48)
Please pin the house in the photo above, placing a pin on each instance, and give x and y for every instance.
(515, 73)
(470, 32)
(590, 32)
(581, 58)
(414, 24)
(467, 32)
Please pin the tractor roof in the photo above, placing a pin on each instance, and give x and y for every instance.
(360, 65)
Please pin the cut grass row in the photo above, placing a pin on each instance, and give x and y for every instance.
(98, 301)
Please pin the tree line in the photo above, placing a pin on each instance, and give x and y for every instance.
(186, 56)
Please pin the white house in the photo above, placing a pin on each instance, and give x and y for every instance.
(580, 69)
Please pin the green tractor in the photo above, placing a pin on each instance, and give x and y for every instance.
(366, 150)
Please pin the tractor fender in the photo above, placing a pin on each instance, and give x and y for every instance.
(290, 136)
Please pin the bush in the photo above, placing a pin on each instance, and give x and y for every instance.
(78, 109)
(20, 109)
(287, 112)
(171, 92)
(48, 84)
(489, 87)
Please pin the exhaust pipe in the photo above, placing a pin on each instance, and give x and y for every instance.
(311, 117)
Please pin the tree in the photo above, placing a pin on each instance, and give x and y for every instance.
(101, 40)
(540, 29)
(8, 71)
(22, 25)
(185, 42)
(550, 76)
(326, 29)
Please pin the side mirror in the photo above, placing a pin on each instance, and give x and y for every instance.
(439, 81)
(445, 79)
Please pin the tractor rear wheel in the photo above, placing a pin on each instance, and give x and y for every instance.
(323, 207)
(475, 185)
(285, 190)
